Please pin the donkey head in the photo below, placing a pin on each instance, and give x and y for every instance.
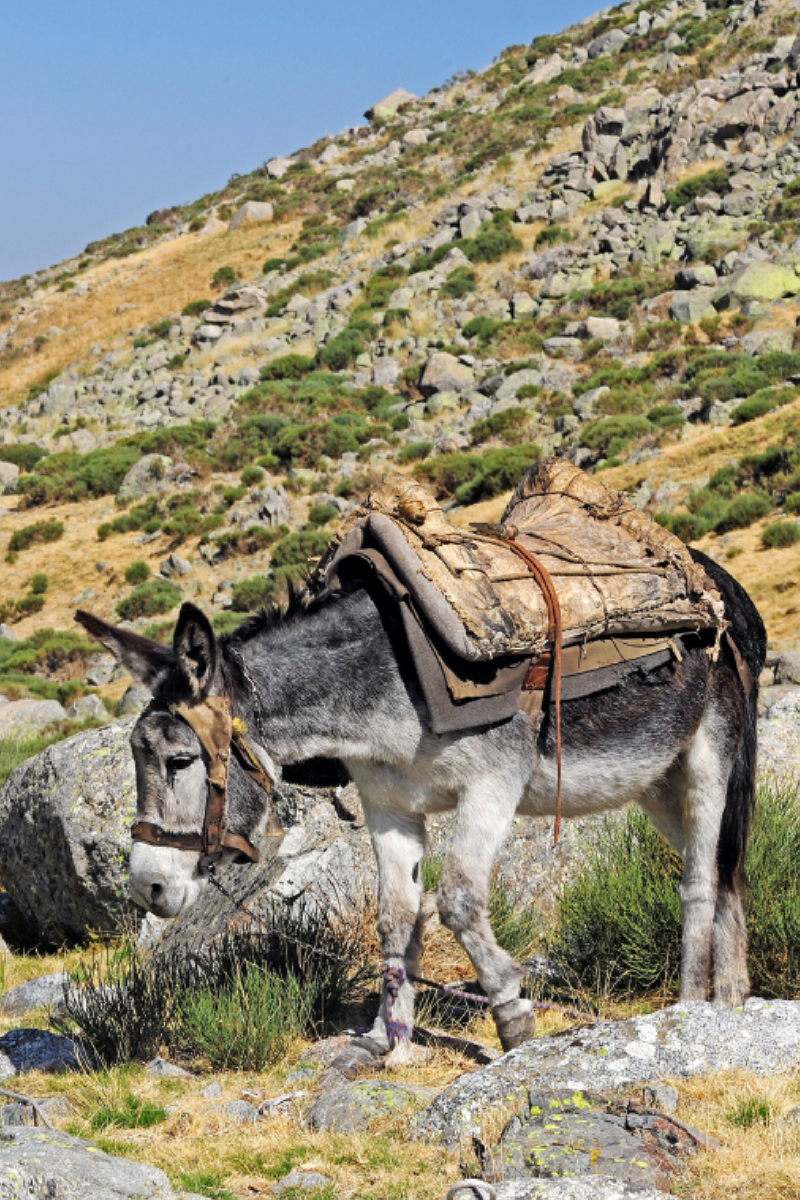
(171, 763)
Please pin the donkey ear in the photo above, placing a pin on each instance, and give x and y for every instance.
(149, 661)
(196, 651)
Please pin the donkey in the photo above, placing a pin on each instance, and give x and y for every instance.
(332, 679)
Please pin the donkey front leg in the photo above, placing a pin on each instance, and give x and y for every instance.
(399, 844)
(483, 819)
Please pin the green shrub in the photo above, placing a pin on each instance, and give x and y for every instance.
(611, 436)
(757, 406)
(507, 424)
(751, 1111)
(686, 526)
(552, 236)
(273, 264)
(780, 534)
(743, 511)
(320, 514)
(251, 476)
(792, 502)
(236, 1004)
(459, 283)
(160, 329)
(614, 298)
(290, 366)
(195, 307)
(341, 351)
(223, 276)
(414, 451)
(493, 241)
(666, 416)
(40, 531)
(27, 605)
(23, 455)
(39, 583)
(137, 572)
(68, 476)
(296, 549)
(483, 328)
(149, 599)
(711, 181)
(253, 594)
(473, 477)
(248, 541)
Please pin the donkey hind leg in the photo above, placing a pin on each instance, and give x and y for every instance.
(399, 844)
(731, 979)
(707, 769)
(483, 819)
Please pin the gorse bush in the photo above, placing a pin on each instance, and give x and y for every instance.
(238, 1004)
(137, 572)
(149, 599)
(717, 180)
(40, 531)
(473, 477)
(780, 534)
(619, 924)
(23, 455)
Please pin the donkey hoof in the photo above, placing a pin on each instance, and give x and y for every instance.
(515, 1021)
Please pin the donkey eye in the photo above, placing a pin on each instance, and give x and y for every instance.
(179, 762)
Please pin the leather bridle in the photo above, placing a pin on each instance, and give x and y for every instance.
(220, 735)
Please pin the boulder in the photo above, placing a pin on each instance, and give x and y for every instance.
(692, 277)
(544, 71)
(683, 1040)
(65, 818)
(415, 137)
(24, 718)
(743, 112)
(389, 105)
(352, 1106)
(39, 1163)
(147, 477)
(276, 168)
(445, 373)
(274, 507)
(765, 341)
(38, 1050)
(591, 1188)
(254, 212)
(88, 708)
(385, 372)
(690, 307)
(134, 700)
(46, 990)
(608, 43)
(325, 857)
(757, 281)
(9, 478)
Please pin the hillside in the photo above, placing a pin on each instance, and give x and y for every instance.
(589, 248)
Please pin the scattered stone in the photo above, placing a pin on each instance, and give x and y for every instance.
(352, 1106)
(444, 373)
(254, 212)
(175, 565)
(161, 1068)
(302, 1181)
(768, 341)
(36, 993)
(133, 701)
(680, 1041)
(88, 708)
(38, 1050)
(25, 718)
(689, 308)
(8, 633)
(9, 478)
(212, 1092)
(663, 1096)
(276, 168)
(147, 477)
(19, 1113)
(390, 104)
(101, 669)
(242, 1112)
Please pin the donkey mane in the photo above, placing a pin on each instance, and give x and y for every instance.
(301, 601)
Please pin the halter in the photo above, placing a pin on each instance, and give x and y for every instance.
(217, 733)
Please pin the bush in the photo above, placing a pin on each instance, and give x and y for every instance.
(251, 476)
(611, 436)
(132, 1113)
(792, 502)
(459, 283)
(137, 572)
(711, 181)
(223, 276)
(237, 1004)
(320, 514)
(473, 477)
(253, 594)
(619, 919)
(414, 451)
(298, 548)
(614, 298)
(491, 243)
(39, 584)
(780, 534)
(743, 511)
(290, 366)
(552, 236)
(149, 599)
(41, 531)
(482, 328)
(68, 476)
(341, 351)
(195, 307)
(757, 406)
(506, 424)
(32, 603)
(23, 455)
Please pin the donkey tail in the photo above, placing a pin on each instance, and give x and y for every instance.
(750, 637)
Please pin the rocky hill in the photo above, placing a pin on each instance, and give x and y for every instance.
(591, 248)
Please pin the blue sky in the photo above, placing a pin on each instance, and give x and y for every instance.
(111, 109)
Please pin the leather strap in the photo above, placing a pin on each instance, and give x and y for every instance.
(555, 635)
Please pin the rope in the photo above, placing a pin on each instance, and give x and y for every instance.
(476, 1188)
